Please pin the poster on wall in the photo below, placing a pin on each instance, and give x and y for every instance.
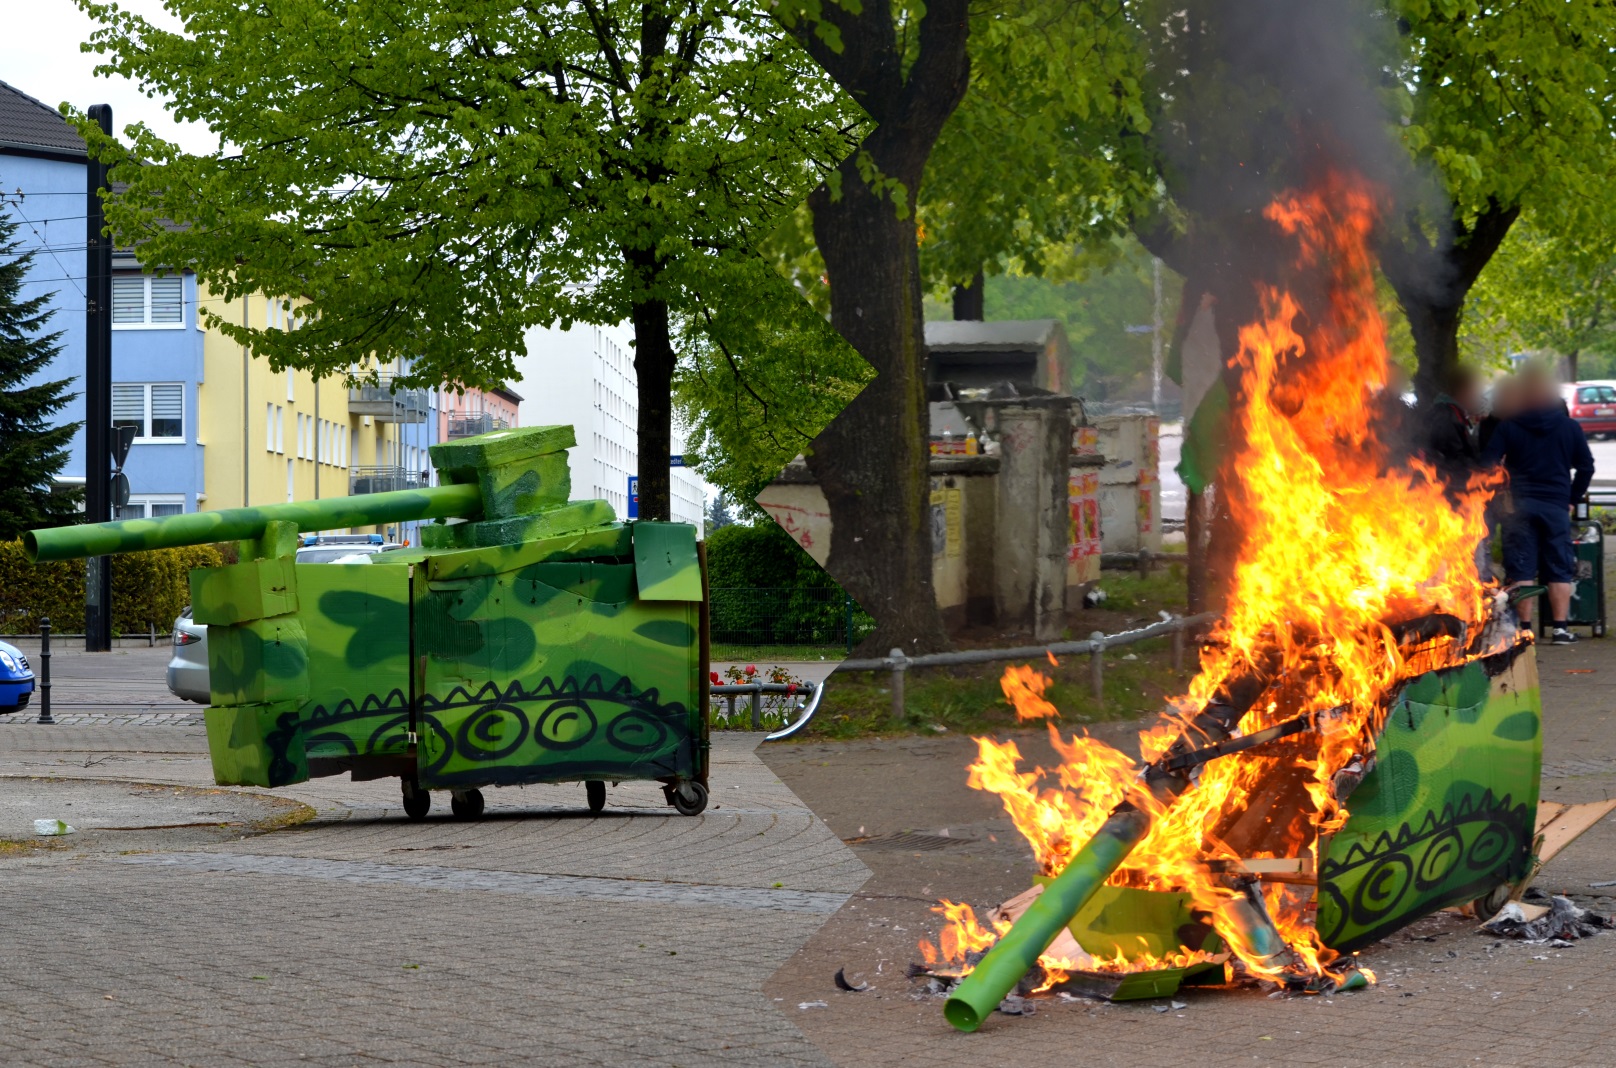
(1083, 498)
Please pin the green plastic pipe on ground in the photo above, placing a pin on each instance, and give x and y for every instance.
(1013, 955)
(239, 524)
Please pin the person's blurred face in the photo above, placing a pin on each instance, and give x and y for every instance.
(1469, 397)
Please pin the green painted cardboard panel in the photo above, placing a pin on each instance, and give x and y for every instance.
(529, 682)
(256, 745)
(1448, 812)
(259, 662)
(252, 589)
(358, 621)
(554, 522)
(1132, 922)
(606, 543)
(665, 561)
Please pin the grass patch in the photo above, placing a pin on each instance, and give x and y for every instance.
(17, 847)
(969, 699)
(298, 813)
(1165, 589)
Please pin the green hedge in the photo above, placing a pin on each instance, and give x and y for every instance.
(148, 589)
(767, 591)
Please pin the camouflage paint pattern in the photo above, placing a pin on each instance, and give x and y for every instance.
(537, 640)
(1448, 812)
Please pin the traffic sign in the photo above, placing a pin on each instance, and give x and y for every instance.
(634, 496)
(122, 438)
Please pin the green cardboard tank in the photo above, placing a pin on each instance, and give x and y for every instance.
(529, 639)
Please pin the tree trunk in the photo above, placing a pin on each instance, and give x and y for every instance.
(653, 370)
(872, 461)
(970, 300)
(1571, 365)
(1432, 280)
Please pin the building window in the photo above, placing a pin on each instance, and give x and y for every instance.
(280, 430)
(151, 506)
(155, 409)
(269, 427)
(144, 301)
(291, 494)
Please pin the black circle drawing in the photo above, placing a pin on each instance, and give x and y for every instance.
(480, 738)
(565, 725)
(637, 731)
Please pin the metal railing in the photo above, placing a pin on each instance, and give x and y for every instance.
(388, 404)
(812, 692)
(470, 424)
(383, 480)
(898, 663)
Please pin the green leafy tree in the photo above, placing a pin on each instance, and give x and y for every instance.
(907, 65)
(33, 448)
(1544, 293)
(1512, 104)
(760, 376)
(429, 180)
(1042, 75)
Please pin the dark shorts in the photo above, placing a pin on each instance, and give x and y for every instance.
(1537, 543)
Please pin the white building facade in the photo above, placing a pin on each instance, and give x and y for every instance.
(585, 376)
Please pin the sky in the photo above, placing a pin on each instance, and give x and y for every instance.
(39, 54)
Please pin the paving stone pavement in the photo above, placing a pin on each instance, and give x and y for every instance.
(539, 935)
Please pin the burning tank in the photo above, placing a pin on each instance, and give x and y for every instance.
(528, 639)
(1361, 746)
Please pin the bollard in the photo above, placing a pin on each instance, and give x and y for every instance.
(757, 706)
(151, 635)
(898, 668)
(1178, 644)
(44, 670)
(1097, 668)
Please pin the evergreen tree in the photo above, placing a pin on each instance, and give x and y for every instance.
(32, 448)
(718, 513)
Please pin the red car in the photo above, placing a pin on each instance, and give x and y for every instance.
(1593, 406)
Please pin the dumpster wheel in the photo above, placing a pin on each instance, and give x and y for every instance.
(466, 804)
(595, 792)
(416, 800)
(688, 798)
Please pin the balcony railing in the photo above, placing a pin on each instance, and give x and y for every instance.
(470, 424)
(387, 404)
(384, 479)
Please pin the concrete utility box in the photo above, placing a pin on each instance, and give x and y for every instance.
(1130, 483)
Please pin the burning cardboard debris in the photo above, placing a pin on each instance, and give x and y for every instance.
(1361, 656)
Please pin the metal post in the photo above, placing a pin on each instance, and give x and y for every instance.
(757, 706)
(97, 394)
(1156, 337)
(44, 670)
(847, 598)
(1178, 644)
(729, 711)
(151, 635)
(1097, 668)
(899, 666)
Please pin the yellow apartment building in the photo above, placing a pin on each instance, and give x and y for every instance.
(269, 436)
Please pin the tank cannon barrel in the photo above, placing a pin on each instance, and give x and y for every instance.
(239, 524)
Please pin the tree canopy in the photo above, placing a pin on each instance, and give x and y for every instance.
(429, 180)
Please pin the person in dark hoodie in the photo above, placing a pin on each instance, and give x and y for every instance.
(1540, 448)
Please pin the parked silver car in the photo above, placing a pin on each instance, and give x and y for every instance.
(188, 667)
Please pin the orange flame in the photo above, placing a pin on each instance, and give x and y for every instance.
(1342, 536)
